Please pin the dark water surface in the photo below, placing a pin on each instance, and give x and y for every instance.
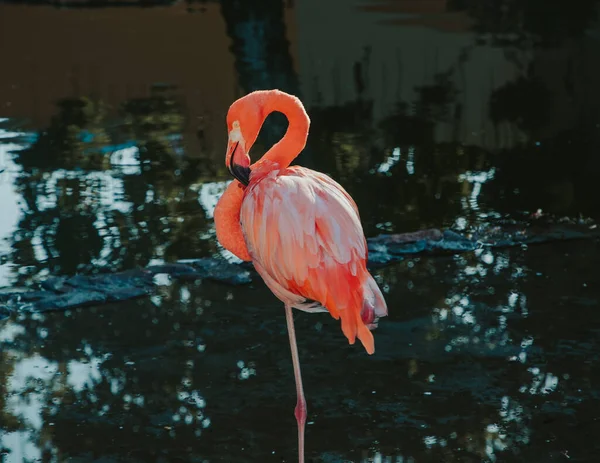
(436, 113)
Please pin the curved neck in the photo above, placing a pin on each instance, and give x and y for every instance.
(294, 140)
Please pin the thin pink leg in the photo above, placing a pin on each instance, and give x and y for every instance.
(300, 411)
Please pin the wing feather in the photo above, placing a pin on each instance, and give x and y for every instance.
(304, 234)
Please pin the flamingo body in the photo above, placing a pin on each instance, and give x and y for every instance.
(299, 227)
(306, 241)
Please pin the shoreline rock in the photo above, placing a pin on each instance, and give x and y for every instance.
(62, 293)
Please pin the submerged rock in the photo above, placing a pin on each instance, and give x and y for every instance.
(66, 301)
(205, 269)
(220, 270)
(61, 293)
(113, 286)
(177, 270)
(8, 295)
(386, 249)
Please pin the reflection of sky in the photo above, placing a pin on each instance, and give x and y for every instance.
(477, 179)
(9, 201)
(127, 159)
(209, 194)
(84, 374)
(101, 188)
(27, 405)
(394, 158)
(391, 161)
(32, 381)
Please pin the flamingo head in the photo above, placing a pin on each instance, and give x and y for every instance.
(244, 120)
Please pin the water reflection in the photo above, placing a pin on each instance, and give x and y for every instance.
(449, 119)
(55, 377)
(466, 352)
(93, 201)
(459, 371)
(484, 317)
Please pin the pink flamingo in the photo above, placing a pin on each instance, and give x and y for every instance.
(300, 229)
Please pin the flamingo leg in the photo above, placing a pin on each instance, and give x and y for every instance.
(300, 411)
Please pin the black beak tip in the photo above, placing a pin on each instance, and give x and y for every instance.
(242, 174)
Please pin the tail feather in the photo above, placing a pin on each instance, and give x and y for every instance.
(374, 306)
(341, 293)
(358, 323)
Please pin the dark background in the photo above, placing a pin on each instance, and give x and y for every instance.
(431, 113)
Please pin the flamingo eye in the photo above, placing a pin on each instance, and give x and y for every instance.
(235, 135)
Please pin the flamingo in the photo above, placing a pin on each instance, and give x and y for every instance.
(299, 228)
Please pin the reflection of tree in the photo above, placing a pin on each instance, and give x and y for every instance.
(84, 212)
(547, 22)
(436, 101)
(421, 180)
(553, 171)
(343, 134)
(156, 123)
(262, 58)
(556, 174)
(260, 45)
(525, 102)
(72, 140)
(413, 124)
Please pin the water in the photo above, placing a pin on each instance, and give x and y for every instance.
(432, 114)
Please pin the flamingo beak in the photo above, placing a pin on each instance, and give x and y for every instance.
(240, 171)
